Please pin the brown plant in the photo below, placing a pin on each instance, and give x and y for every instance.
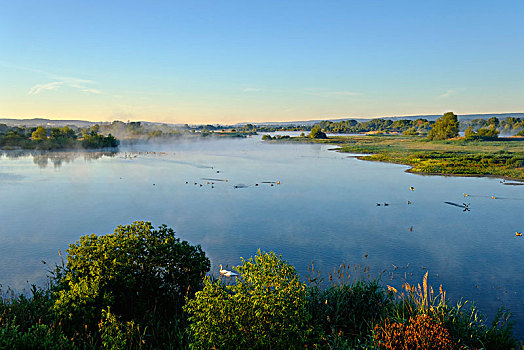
(418, 333)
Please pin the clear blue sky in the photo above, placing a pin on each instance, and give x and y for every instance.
(232, 61)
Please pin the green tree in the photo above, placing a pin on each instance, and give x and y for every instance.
(39, 134)
(411, 131)
(141, 274)
(469, 133)
(264, 309)
(445, 127)
(493, 121)
(490, 133)
(317, 133)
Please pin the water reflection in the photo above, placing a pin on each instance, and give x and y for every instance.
(324, 210)
(43, 158)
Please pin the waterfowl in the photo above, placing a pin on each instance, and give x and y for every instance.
(227, 273)
(412, 188)
(386, 204)
(518, 234)
(378, 204)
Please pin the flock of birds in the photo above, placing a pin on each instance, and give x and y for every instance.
(465, 206)
(211, 182)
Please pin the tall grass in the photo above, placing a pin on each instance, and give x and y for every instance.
(466, 326)
(347, 308)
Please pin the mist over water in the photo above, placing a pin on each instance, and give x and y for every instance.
(324, 210)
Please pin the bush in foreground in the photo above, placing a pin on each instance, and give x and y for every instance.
(132, 279)
(264, 309)
(126, 290)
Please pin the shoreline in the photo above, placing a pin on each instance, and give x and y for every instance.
(411, 171)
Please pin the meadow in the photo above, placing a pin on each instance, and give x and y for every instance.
(460, 157)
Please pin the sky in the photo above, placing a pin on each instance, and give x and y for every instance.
(253, 61)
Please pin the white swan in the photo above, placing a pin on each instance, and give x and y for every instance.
(227, 273)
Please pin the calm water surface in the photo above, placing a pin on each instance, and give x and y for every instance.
(324, 210)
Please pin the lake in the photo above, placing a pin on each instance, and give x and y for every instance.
(324, 210)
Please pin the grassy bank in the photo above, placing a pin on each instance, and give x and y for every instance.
(502, 158)
(143, 288)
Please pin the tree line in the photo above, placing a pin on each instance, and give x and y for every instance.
(445, 127)
(42, 138)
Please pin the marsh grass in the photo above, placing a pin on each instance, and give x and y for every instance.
(346, 308)
(460, 157)
(466, 326)
(344, 305)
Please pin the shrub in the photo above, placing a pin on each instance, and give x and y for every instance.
(419, 332)
(265, 308)
(317, 133)
(445, 127)
(464, 325)
(141, 274)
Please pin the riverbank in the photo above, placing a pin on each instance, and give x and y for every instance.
(262, 304)
(503, 158)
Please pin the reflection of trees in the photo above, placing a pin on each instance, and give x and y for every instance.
(43, 158)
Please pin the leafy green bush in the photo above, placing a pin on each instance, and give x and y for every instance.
(38, 336)
(265, 308)
(26, 322)
(317, 133)
(445, 127)
(141, 274)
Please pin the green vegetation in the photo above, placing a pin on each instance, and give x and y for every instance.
(317, 133)
(265, 309)
(41, 138)
(421, 126)
(116, 291)
(446, 127)
(507, 126)
(486, 134)
(418, 126)
(478, 153)
(276, 137)
(504, 158)
(143, 288)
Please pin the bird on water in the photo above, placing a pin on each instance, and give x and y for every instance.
(227, 273)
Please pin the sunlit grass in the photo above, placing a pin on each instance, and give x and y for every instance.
(459, 157)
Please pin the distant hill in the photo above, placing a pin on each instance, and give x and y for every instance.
(462, 117)
(46, 122)
(60, 123)
(85, 123)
